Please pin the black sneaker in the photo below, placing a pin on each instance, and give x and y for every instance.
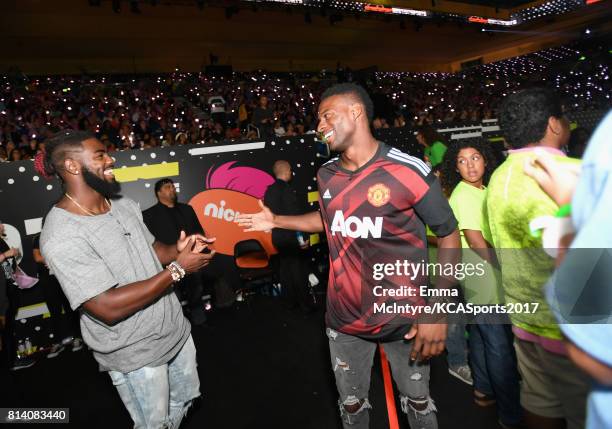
(22, 363)
(56, 349)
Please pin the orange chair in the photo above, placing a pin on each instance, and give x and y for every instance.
(253, 264)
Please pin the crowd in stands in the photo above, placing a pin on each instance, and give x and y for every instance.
(131, 112)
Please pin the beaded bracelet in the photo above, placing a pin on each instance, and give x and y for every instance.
(176, 271)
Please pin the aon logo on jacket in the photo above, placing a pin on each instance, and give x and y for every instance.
(355, 227)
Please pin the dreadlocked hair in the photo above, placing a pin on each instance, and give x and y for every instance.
(58, 147)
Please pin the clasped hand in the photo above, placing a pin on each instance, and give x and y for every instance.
(198, 242)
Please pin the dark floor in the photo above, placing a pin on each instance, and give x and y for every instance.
(260, 367)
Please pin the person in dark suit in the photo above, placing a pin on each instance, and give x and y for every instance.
(166, 220)
(280, 197)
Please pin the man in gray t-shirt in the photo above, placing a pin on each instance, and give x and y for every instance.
(110, 268)
(92, 254)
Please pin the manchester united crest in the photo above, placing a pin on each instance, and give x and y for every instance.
(379, 195)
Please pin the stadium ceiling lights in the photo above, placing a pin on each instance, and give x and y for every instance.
(552, 7)
(395, 10)
(491, 21)
(352, 6)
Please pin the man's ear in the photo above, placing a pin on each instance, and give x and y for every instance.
(71, 166)
(555, 125)
(356, 111)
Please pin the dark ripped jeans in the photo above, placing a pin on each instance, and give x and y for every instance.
(352, 359)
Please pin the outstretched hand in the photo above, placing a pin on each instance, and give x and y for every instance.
(261, 221)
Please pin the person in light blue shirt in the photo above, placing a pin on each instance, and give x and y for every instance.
(579, 292)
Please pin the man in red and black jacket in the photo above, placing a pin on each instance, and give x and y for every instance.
(374, 204)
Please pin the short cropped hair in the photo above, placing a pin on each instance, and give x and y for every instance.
(524, 115)
(60, 145)
(355, 91)
(160, 183)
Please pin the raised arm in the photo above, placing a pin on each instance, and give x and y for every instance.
(116, 304)
(265, 220)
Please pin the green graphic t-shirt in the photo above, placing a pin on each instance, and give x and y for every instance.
(513, 201)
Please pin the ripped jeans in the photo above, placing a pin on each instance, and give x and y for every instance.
(159, 397)
(352, 359)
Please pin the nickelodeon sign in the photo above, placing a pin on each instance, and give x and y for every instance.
(217, 210)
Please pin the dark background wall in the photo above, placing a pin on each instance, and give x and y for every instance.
(26, 197)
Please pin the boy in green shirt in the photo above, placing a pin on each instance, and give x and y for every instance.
(435, 153)
(553, 391)
(434, 147)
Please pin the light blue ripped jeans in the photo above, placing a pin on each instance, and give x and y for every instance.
(159, 397)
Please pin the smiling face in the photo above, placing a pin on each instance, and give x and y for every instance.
(471, 166)
(337, 121)
(96, 159)
(97, 167)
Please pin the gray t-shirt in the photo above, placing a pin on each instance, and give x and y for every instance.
(91, 254)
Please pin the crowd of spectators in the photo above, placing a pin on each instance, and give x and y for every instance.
(144, 111)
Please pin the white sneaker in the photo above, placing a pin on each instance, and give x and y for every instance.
(77, 344)
(67, 341)
(56, 349)
(463, 373)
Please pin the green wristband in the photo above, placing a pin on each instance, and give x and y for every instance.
(564, 211)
